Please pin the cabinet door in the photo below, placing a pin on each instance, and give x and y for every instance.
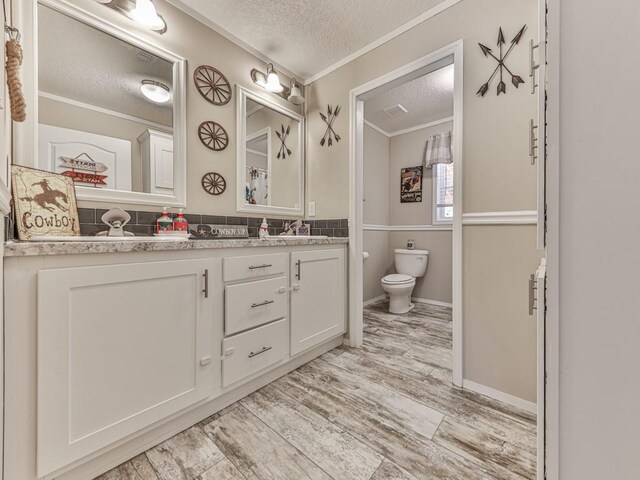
(119, 348)
(317, 298)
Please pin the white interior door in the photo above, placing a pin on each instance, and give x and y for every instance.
(119, 348)
(318, 297)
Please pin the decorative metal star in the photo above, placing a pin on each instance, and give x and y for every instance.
(501, 67)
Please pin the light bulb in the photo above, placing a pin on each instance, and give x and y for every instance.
(273, 80)
(155, 91)
(146, 14)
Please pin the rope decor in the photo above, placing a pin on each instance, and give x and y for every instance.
(16, 97)
(12, 66)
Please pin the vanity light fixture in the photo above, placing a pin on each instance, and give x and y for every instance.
(269, 81)
(142, 11)
(155, 91)
(295, 95)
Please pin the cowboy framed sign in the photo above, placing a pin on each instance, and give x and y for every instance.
(45, 203)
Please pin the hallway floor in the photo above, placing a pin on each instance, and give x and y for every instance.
(387, 411)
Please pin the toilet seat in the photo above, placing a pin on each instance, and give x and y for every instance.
(397, 279)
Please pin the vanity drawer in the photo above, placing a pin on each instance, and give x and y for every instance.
(255, 350)
(254, 266)
(249, 305)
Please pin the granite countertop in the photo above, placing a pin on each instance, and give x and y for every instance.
(28, 249)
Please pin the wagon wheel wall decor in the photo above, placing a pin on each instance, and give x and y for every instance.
(212, 85)
(213, 136)
(214, 183)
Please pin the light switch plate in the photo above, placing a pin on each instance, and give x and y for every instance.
(312, 209)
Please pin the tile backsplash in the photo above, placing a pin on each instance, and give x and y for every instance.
(143, 223)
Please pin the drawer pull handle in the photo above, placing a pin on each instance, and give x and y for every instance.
(264, 349)
(266, 302)
(205, 290)
(266, 265)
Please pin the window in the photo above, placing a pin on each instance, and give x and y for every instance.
(443, 193)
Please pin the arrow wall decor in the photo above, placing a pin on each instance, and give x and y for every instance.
(502, 69)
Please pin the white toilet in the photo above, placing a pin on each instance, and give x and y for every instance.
(410, 264)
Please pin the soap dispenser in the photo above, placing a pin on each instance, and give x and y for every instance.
(164, 223)
(264, 229)
(180, 224)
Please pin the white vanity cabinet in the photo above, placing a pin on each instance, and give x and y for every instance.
(157, 161)
(119, 348)
(318, 297)
(112, 352)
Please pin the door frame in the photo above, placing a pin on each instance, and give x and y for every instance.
(356, 194)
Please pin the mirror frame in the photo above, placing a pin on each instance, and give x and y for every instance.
(242, 94)
(27, 133)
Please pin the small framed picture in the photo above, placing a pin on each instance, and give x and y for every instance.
(411, 185)
(304, 229)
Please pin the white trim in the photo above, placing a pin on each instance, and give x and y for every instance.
(371, 301)
(26, 133)
(356, 121)
(377, 128)
(241, 157)
(437, 303)
(106, 111)
(500, 396)
(180, 5)
(552, 192)
(408, 228)
(524, 217)
(384, 39)
(5, 201)
(420, 127)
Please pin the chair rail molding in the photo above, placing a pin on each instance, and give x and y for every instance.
(407, 228)
(520, 217)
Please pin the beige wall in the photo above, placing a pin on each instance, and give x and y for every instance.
(408, 150)
(65, 115)
(200, 45)
(377, 265)
(376, 177)
(497, 172)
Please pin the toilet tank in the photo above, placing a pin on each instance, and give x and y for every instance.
(411, 262)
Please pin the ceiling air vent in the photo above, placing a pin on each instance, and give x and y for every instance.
(144, 57)
(395, 110)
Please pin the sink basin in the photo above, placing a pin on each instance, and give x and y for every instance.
(289, 237)
(89, 238)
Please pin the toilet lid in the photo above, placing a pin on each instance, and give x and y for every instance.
(397, 278)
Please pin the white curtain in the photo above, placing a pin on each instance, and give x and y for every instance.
(438, 149)
(258, 186)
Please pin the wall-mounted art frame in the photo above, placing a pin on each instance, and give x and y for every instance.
(44, 202)
(411, 184)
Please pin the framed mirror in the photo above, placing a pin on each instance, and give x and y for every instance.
(270, 165)
(111, 110)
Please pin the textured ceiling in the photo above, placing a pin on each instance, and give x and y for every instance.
(79, 62)
(307, 36)
(427, 99)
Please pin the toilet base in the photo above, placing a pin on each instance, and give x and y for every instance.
(400, 304)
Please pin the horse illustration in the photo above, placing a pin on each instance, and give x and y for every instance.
(49, 197)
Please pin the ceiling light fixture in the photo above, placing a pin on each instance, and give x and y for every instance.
(295, 95)
(155, 91)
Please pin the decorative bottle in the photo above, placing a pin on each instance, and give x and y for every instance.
(164, 223)
(180, 224)
(264, 229)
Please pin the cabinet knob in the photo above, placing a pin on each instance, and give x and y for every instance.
(228, 352)
(296, 286)
(282, 289)
(205, 360)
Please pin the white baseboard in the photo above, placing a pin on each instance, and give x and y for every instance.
(431, 302)
(500, 396)
(374, 300)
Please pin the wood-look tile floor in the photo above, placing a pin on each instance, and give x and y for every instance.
(387, 411)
